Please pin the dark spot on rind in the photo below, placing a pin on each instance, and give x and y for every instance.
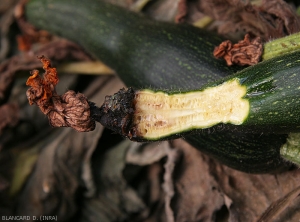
(117, 112)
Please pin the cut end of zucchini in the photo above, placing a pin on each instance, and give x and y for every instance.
(158, 115)
(146, 115)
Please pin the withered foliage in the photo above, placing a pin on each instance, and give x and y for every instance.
(6, 20)
(9, 115)
(268, 20)
(68, 110)
(173, 156)
(209, 191)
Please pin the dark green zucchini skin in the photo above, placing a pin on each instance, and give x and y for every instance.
(167, 55)
(273, 92)
(146, 53)
(250, 153)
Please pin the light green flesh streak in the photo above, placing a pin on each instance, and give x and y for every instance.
(291, 149)
(158, 114)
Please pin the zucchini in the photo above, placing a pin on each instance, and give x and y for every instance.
(161, 55)
(264, 97)
(261, 98)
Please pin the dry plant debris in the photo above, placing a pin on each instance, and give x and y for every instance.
(245, 52)
(9, 115)
(182, 11)
(204, 188)
(168, 185)
(56, 50)
(263, 20)
(68, 110)
(29, 34)
(6, 20)
(280, 205)
(268, 20)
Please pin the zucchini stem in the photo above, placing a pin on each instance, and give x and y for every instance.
(281, 46)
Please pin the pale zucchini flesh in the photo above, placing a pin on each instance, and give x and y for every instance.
(263, 98)
(159, 114)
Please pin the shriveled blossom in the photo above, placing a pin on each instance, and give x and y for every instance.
(245, 52)
(69, 110)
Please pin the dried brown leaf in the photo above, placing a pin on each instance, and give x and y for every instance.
(252, 194)
(284, 12)
(52, 185)
(140, 154)
(5, 5)
(197, 194)
(280, 205)
(9, 116)
(63, 166)
(6, 20)
(272, 19)
(206, 190)
(168, 185)
(116, 200)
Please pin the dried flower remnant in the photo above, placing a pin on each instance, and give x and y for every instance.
(68, 110)
(245, 52)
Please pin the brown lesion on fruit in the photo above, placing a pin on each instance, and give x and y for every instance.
(117, 112)
(245, 52)
(69, 110)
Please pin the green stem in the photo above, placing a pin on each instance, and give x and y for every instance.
(281, 46)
